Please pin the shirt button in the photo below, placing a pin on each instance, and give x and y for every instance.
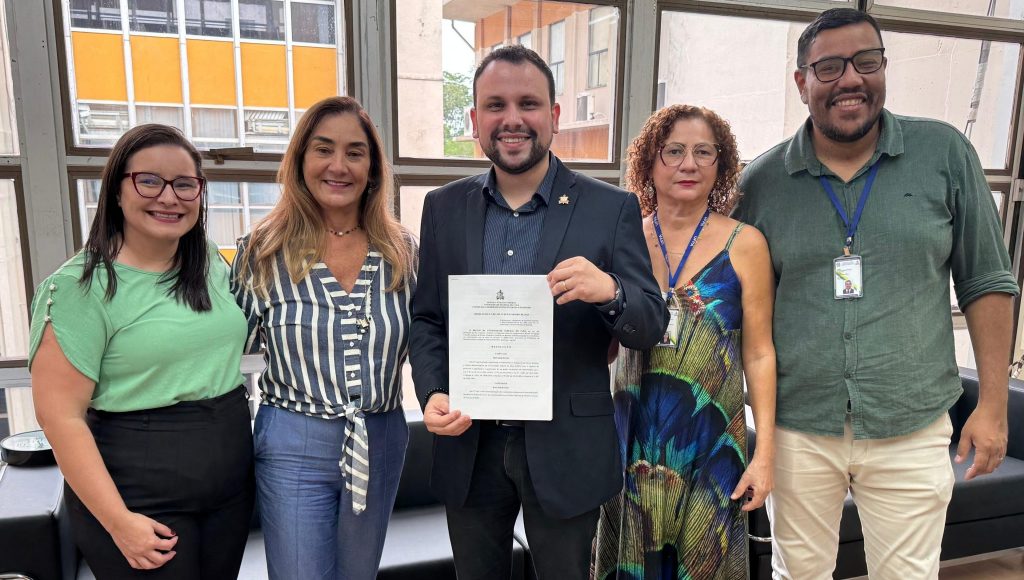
(611, 313)
(351, 375)
(515, 214)
(848, 374)
(351, 343)
(847, 335)
(510, 252)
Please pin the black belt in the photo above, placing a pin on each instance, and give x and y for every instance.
(510, 424)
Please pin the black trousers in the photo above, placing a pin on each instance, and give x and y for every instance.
(189, 467)
(481, 530)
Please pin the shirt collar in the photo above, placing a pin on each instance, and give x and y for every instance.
(800, 151)
(543, 190)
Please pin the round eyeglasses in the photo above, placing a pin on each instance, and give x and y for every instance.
(185, 187)
(704, 154)
(865, 62)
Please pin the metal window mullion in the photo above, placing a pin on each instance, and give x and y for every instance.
(373, 58)
(236, 43)
(72, 85)
(243, 192)
(129, 74)
(186, 89)
(638, 81)
(340, 26)
(289, 62)
(47, 199)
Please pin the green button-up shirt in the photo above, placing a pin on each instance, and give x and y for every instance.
(887, 357)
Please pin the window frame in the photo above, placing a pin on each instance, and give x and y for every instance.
(61, 27)
(461, 167)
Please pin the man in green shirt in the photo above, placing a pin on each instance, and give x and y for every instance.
(868, 214)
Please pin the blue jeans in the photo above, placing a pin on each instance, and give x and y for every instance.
(306, 513)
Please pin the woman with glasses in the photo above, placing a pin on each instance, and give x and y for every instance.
(325, 281)
(680, 405)
(135, 350)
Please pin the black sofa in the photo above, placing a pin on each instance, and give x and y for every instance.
(985, 515)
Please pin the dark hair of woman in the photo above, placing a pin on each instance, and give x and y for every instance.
(187, 275)
(644, 150)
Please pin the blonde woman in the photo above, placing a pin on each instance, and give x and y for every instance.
(325, 281)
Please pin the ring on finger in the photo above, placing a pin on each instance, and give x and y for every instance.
(564, 288)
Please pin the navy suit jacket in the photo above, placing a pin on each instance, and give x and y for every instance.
(574, 459)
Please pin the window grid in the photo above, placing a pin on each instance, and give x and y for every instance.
(202, 17)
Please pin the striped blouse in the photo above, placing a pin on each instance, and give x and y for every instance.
(330, 353)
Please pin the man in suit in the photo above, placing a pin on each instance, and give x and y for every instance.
(531, 215)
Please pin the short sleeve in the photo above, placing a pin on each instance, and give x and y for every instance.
(79, 320)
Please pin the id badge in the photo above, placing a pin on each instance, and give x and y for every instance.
(848, 277)
(670, 338)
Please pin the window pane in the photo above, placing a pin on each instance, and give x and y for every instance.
(17, 413)
(8, 125)
(227, 219)
(967, 83)
(223, 193)
(208, 17)
(313, 23)
(261, 19)
(437, 52)
(526, 40)
(13, 300)
(267, 130)
(214, 127)
(224, 225)
(101, 14)
(152, 16)
(173, 116)
(998, 8)
(926, 76)
(263, 193)
(100, 123)
(114, 84)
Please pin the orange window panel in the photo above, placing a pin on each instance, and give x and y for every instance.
(316, 74)
(211, 72)
(99, 66)
(156, 68)
(264, 79)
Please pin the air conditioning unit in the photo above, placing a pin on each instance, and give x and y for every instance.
(584, 106)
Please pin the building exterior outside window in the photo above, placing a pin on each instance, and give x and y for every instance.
(219, 95)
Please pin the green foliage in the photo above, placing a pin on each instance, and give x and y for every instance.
(457, 94)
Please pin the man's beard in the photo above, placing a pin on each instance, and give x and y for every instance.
(537, 153)
(836, 134)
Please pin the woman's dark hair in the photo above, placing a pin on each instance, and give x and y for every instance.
(106, 237)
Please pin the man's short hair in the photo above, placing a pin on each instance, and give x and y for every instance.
(827, 20)
(516, 54)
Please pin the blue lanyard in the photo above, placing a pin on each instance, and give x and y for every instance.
(851, 227)
(674, 278)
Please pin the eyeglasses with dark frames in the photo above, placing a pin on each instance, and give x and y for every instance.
(151, 185)
(704, 154)
(832, 68)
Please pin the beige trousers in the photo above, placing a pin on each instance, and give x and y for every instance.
(901, 485)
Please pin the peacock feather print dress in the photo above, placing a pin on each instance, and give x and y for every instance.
(682, 435)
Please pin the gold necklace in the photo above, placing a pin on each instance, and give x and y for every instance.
(344, 233)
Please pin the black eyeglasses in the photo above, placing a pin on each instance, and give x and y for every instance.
(704, 154)
(185, 187)
(865, 62)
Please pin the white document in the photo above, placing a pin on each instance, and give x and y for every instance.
(500, 347)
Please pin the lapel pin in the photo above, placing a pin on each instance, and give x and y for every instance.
(564, 200)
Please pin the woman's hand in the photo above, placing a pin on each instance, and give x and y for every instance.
(139, 539)
(755, 484)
